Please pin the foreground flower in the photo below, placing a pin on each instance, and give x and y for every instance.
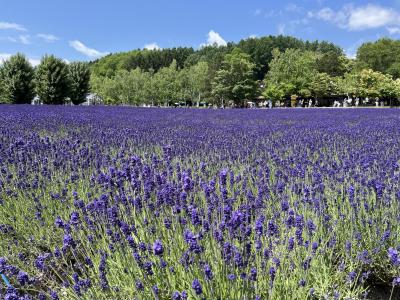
(197, 287)
(158, 247)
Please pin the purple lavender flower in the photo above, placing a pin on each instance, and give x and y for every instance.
(158, 248)
(22, 278)
(68, 242)
(393, 256)
(351, 277)
(176, 296)
(139, 285)
(197, 287)
(208, 272)
(231, 277)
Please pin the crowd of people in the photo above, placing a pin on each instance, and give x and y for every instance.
(343, 102)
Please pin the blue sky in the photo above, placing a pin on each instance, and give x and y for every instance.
(88, 29)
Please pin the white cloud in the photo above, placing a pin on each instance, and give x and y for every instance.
(9, 39)
(281, 29)
(49, 38)
(257, 12)
(34, 62)
(273, 13)
(253, 36)
(393, 30)
(152, 46)
(214, 38)
(25, 39)
(12, 26)
(5, 56)
(372, 16)
(293, 7)
(351, 51)
(89, 52)
(358, 18)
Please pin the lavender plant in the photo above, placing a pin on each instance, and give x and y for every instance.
(121, 203)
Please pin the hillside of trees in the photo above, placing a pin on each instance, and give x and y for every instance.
(279, 68)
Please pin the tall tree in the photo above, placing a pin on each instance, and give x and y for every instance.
(293, 67)
(382, 56)
(107, 88)
(235, 79)
(332, 63)
(368, 82)
(150, 88)
(16, 75)
(198, 81)
(79, 78)
(167, 83)
(348, 84)
(322, 85)
(275, 92)
(51, 80)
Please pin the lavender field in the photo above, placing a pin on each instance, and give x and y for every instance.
(123, 203)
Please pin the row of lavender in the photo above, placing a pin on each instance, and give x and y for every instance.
(121, 203)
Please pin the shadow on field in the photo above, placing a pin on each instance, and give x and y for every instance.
(382, 292)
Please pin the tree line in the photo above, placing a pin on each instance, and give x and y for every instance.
(279, 68)
(53, 81)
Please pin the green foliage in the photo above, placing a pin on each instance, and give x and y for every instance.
(167, 83)
(79, 78)
(167, 86)
(275, 92)
(234, 81)
(332, 63)
(51, 80)
(348, 85)
(198, 80)
(382, 56)
(144, 59)
(289, 66)
(259, 49)
(293, 68)
(16, 76)
(106, 88)
(323, 85)
(369, 83)
(125, 88)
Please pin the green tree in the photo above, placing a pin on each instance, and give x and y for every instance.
(369, 83)
(387, 87)
(79, 78)
(234, 81)
(198, 81)
(275, 92)
(322, 85)
(332, 63)
(16, 75)
(51, 80)
(293, 67)
(348, 84)
(150, 88)
(382, 56)
(167, 84)
(397, 88)
(3, 100)
(106, 88)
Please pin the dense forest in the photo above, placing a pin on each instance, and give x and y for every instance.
(279, 68)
